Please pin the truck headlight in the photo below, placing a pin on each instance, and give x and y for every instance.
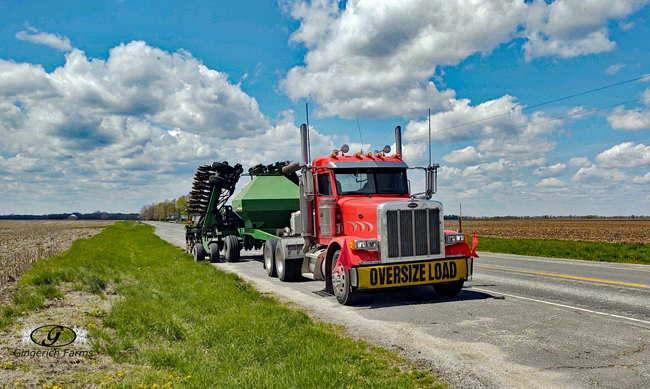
(455, 238)
(364, 244)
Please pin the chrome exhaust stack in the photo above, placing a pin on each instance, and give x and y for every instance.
(398, 141)
(306, 189)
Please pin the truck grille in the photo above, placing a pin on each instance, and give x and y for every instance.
(413, 232)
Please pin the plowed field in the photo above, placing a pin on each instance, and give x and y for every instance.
(25, 241)
(589, 230)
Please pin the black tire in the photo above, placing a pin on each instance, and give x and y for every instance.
(222, 167)
(287, 269)
(215, 256)
(269, 257)
(199, 252)
(449, 289)
(219, 181)
(232, 248)
(345, 293)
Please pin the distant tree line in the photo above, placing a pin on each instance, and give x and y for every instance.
(175, 209)
(77, 216)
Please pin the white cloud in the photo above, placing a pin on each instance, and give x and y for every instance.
(486, 171)
(44, 38)
(128, 129)
(627, 154)
(533, 162)
(629, 119)
(376, 58)
(580, 162)
(597, 174)
(550, 183)
(567, 29)
(627, 26)
(642, 179)
(518, 184)
(550, 171)
(613, 69)
(510, 135)
(466, 156)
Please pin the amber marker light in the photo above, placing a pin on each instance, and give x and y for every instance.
(397, 156)
(334, 155)
(369, 154)
(358, 155)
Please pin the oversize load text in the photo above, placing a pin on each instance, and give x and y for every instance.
(411, 274)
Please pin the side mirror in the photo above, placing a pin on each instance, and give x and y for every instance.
(431, 181)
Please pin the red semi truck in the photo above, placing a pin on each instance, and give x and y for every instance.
(359, 228)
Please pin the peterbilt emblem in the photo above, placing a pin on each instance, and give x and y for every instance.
(362, 225)
(412, 205)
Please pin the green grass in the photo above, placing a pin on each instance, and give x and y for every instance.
(192, 325)
(26, 300)
(591, 251)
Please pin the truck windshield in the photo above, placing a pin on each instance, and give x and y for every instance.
(370, 181)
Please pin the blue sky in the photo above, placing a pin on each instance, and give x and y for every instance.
(111, 105)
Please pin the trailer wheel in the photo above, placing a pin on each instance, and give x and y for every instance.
(219, 181)
(199, 252)
(222, 167)
(341, 284)
(232, 248)
(269, 257)
(215, 256)
(449, 289)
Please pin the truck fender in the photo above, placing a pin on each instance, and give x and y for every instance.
(344, 260)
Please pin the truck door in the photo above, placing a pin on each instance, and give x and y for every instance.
(326, 207)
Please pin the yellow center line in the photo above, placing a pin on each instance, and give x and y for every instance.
(565, 276)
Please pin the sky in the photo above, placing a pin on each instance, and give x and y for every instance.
(110, 105)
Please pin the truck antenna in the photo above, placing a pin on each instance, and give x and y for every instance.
(429, 136)
(359, 126)
(308, 144)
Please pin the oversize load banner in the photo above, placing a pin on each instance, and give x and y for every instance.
(417, 273)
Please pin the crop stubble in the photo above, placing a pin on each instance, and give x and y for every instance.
(23, 242)
(587, 230)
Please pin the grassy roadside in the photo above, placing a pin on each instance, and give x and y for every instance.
(591, 251)
(190, 325)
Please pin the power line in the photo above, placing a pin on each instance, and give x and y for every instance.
(545, 103)
(547, 121)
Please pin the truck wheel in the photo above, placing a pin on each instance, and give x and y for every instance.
(449, 289)
(287, 269)
(199, 252)
(215, 256)
(341, 284)
(232, 248)
(219, 181)
(269, 257)
(222, 167)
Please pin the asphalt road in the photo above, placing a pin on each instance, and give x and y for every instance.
(521, 322)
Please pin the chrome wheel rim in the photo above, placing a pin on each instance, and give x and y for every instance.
(267, 258)
(279, 265)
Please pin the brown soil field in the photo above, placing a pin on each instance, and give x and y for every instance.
(588, 230)
(25, 241)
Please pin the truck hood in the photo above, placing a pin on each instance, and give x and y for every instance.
(359, 215)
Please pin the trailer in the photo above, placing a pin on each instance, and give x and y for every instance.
(348, 220)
